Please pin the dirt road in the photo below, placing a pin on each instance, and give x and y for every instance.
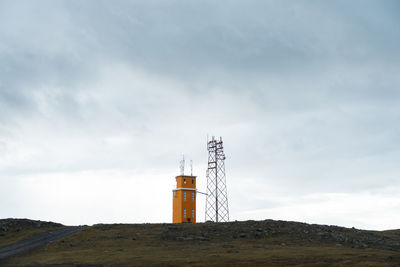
(36, 241)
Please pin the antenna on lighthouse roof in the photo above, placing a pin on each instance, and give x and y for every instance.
(191, 167)
(182, 165)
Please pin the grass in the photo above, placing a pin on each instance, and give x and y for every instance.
(211, 245)
(14, 230)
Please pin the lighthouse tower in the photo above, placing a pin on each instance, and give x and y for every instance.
(184, 199)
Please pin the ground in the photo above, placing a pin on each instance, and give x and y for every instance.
(13, 230)
(224, 244)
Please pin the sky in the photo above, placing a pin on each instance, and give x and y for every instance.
(100, 99)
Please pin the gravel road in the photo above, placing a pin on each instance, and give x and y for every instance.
(36, 241)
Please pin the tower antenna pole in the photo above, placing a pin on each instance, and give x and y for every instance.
(217, 197)
(182, 165)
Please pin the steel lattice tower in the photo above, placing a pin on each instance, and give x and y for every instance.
(217, 195)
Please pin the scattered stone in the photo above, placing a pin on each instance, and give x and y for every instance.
(181, 238)
(102, 227)
(88, 265)
(119, 236)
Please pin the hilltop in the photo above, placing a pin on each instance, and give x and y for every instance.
(243, 243)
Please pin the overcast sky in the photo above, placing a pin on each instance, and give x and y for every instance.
(100, 99)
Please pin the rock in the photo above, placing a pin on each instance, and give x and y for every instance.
(233, 251)
(242, 235)
(181, 238)
(172, 227)
(119, 236)
(102, 227)
(283, 244)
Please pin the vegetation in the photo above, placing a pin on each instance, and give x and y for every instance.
(224, 244)
(14, 230)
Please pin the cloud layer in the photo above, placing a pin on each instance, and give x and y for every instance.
(97, 98)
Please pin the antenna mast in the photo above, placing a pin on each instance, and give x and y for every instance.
(217, 195)
(182, 165)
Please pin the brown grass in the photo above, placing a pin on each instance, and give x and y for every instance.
(157, 245)
(14, 230)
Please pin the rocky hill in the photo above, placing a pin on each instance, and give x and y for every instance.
(244, 243)
(13, 230)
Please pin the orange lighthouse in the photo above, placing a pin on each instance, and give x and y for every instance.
(184, 199)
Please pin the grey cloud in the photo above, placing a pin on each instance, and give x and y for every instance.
(305, 93)
(241, 36)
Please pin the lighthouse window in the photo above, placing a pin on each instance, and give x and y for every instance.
(192, 195)
(184, 196)
(192, 213)
(184, 213)
(192, 181)
(174, 193)
(184, 181)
